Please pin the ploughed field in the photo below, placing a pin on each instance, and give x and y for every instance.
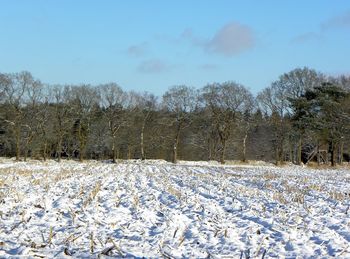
(157, 209)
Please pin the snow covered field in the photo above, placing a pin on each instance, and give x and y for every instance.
(188, 210)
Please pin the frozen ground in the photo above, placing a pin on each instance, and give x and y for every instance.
(156, 209)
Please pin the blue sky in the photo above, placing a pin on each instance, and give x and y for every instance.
(152, 45)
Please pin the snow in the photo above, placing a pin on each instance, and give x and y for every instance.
(188, 210)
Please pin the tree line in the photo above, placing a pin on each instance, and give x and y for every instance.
(302, 116)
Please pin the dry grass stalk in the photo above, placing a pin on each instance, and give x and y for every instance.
(50, 236)
(92, 243)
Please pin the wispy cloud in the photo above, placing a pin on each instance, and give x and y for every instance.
(138, 50)
(208, 67)
(188, 35)
(306, 37)
(229, 40)
(339, 21)
(232, 39)
(154, 66)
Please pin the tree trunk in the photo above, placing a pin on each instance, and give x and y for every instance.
(175, 152)
(81, 150)
(129, 152)
(142, 146)
(333, 149)
(244, 159)
(80, 155)
(280, 153)
(222, 138)
(291, 153)
(277, 152)
(114, 151)
(59, 149)
(318, 153)
(223, 151)
(209, 149)
(25, 153)
(341, 151)
(18, 150)
(142, 143)
(176, 143)
(300, 144)
(81, 144)
(45, 150)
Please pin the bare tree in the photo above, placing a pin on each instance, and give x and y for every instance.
(41, 115)
(84, 99)
(273, 101)
(5, 81)
(276, 101)
(62, 115)
(245, 123)
(44, 126)
(34, 98)
(112, 101)
(181, 102)
(146, 106)
(225, 102)
(14, 92)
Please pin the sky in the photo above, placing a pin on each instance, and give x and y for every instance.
(153, 45)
